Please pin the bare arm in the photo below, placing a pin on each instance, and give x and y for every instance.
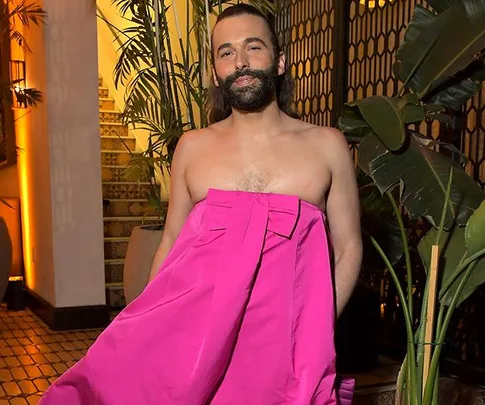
(343, 212)
(179, 206)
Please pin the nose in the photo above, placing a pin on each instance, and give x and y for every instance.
(242, 61)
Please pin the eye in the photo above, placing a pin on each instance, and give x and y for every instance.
(225, 54)
(255, 48)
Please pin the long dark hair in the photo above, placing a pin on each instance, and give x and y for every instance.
(217, 108)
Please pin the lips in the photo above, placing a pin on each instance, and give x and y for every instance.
(244, 80)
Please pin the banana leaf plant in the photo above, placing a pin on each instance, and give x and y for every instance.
(165, 75)
(441, 65)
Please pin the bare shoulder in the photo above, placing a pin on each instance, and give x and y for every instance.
(328, 138)
(191, 141)
(329, 141)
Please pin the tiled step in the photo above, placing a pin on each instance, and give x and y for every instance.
(117, 143)
(127, 207)
(113, 129)
(115, 248)
(123, 226)
(113, 270)
(103, 92)
(130, 190)
(109, 116)
(106, 104)
(115, 157)
(115, 295)
(113, 173)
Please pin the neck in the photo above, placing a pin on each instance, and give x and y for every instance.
(266, 121)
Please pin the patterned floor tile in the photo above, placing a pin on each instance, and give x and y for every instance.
(32, 356)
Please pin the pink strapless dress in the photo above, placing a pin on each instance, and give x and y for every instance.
(241, 313)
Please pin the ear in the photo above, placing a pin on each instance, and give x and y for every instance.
(281, 64)
(214, 77)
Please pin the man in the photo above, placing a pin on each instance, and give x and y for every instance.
(258, 147)
(240, 304)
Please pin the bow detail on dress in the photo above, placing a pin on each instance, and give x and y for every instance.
(283, 210)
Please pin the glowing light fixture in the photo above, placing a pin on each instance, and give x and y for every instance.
(17, 76)
(375, 3)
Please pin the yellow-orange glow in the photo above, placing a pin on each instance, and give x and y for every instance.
(25, 182)
(374, 3)
(25, 199)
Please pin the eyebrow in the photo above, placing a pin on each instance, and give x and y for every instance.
(246, 42)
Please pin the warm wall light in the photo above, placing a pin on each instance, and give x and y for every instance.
(374, 3)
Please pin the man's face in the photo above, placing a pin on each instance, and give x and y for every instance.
(245, 67)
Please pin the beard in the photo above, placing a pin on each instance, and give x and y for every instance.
(252, 97)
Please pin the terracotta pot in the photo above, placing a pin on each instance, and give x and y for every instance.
(6, 254)
(143, 244)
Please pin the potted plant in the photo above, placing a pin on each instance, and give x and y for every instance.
(11, 15)
(166, 85)
(441, 65)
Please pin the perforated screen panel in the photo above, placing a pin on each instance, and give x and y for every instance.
(305, 29)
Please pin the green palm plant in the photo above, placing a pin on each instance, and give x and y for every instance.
(441, 64)
(13, 15)
(165, 75)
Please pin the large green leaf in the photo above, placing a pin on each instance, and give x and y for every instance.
(354, 129)
(424, 174)
(456, 93)
(407, 60)
(453, 249)
(442, 5)
(370, 148)
(382, 114)
(450, 43)
(411, 109)
(475, 231)
(413, 113)
(421, 19)
(352, 125)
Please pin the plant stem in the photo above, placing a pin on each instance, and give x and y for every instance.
(157, 51)
(429, 390)
(401, 379)
(443, 211)
(407, 255)
(420, 338)
(424, 305)
(407, 320)
(164, 20)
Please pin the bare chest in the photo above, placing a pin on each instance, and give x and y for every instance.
(283, 170)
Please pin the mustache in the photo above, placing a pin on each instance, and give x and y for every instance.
(258, 74)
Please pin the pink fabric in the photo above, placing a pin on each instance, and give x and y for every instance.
(241, 313)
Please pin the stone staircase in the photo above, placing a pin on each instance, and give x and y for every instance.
(124, 199)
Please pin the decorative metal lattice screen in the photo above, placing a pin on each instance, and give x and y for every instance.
(473, 136)
(340, 50)
(306, 28)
